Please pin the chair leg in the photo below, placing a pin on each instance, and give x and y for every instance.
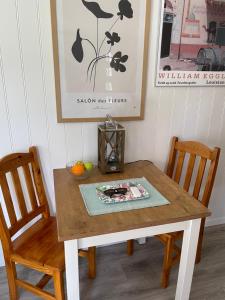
(59, 285)
(92, 262)
(130, 247)
(167, 263)
(11, 274)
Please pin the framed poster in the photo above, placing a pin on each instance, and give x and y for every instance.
(100, 57)
(192, 43)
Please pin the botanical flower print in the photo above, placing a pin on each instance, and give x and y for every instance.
(110, 38)
(113, 38)
(125, 9)
(77, 48)
(95, 8)
(117, 61)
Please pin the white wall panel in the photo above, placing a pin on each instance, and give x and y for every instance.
(179, 112)
(5, 120)
(14, 79)
(205, 113)
(164, 125)
(56, 132)
(74, 141)
(5, 127)
(90, 144)
(191, 113)
(217, 117)
(28, 108)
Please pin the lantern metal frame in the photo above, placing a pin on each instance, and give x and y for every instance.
(111, 142)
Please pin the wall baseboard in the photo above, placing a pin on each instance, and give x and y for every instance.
(215, 221)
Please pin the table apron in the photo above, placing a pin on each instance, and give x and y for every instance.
(187, 262)
(109, 238)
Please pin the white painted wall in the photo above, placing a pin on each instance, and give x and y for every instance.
(28, 109)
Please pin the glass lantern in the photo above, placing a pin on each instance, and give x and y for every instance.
(111, 140)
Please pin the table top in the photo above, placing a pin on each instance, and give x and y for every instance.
(74, 222)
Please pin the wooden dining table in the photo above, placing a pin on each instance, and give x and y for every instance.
(77, 229)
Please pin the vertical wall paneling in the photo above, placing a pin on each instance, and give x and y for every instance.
(134, 136)
(129, 142)
(180, 104)
(48, 158)
(74, 141)
(14, 87)
(211, 112)
(28, 106)
(82, 139)
(191, 116)
(90, 145)
(11, 58)
(6, 144)
(57, 146)
(221, 136)
(5, 120)
(216, 136)
(155, 123)
(206, 96)
(23, 72)
(217, 117)
(32, 73)
(165, 115)
(153, 94)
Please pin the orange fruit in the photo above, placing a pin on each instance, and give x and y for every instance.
(78, 169)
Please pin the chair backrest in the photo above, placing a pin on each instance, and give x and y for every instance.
(22, 171)
(179, 150)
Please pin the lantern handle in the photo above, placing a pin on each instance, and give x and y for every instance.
(111, 122)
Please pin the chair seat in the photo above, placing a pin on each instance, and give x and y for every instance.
(40, 245)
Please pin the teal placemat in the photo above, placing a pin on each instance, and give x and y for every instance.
(95, 206)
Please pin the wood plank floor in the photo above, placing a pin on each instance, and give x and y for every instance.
(121, 277)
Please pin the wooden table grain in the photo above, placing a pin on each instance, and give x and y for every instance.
(77, 229)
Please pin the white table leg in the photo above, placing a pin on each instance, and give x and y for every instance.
(187, 262)
(72, 270)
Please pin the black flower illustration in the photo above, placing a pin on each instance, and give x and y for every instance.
(95, 8)
(113, 38)
(77, 48)
(105, 40)
(125, 9)
(117, 61)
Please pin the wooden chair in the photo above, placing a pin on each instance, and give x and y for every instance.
(175, 170)
(37, 247)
